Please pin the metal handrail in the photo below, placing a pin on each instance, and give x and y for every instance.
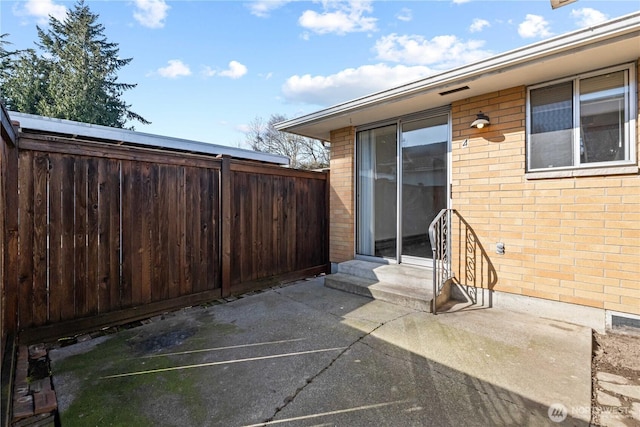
(439, 230)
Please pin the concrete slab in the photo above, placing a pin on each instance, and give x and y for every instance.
(309, 355)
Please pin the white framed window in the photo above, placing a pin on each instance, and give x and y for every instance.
(582, 122)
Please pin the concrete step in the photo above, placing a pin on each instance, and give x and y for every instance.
(417, 298)
(417, 277)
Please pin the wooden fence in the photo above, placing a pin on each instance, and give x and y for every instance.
(110, 233)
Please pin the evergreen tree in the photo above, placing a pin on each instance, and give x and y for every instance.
(24, 82)
(5, 57)
(75, 77)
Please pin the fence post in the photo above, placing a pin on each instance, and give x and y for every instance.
(225, 229)
(10, 229)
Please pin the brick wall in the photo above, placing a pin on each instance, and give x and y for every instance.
(342, 231)
(575, 240)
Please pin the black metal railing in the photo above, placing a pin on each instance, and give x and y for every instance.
(440, 236)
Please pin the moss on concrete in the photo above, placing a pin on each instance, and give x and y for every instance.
(140, 399)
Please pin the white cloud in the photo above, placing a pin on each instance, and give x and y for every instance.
(235, 71)
(534, 26)
(263, 8)
(175, 69)
(350, 83)
(587, 17)
(151, 13)
(41, 10)
(339, 18)
(479, 25)
(405, 14)
(441, 52)
(461, 1)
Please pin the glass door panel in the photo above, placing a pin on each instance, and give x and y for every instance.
(376, 192)
(424, 181)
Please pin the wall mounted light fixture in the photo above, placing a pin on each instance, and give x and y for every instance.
(481, 121)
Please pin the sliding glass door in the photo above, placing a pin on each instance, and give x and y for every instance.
(377, 177)
(405, 161)
(424, 182)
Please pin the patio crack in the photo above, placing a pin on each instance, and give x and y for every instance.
(310, 380)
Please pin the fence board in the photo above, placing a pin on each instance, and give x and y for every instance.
(113, 239)
(67, 194)
(258, 188)
(136, 232)
(102, 279)
(93, 260)
(162, 284)
(40, 222)
(155, 232)
(80, 232)
(245, 211)
(184, 285)
(192, 244)
(210, 265)
(173, 273)
(25, 248)
(145, 202)
(56, 262)
(291, 225)
(128, 215)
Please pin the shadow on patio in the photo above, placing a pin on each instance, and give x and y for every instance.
(308, 355)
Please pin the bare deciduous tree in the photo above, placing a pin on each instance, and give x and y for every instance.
(305, 153)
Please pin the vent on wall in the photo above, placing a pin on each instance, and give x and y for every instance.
(458, 89)
(620, 321)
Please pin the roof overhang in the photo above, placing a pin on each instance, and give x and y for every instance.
(30, 122)
(613, 42)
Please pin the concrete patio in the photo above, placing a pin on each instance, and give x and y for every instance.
(305, 354)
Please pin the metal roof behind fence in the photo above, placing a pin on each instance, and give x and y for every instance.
(129, 137)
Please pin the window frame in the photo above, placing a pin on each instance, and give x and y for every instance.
(631, 105)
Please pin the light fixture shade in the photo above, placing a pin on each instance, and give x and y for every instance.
(559, 3)
(481, 121)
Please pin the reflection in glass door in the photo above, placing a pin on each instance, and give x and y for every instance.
(424, 181)
(413, 171)
(376, 204)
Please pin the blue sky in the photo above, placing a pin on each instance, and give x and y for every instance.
(207, 69)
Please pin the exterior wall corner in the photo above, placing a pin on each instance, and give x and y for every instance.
(341, 197)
